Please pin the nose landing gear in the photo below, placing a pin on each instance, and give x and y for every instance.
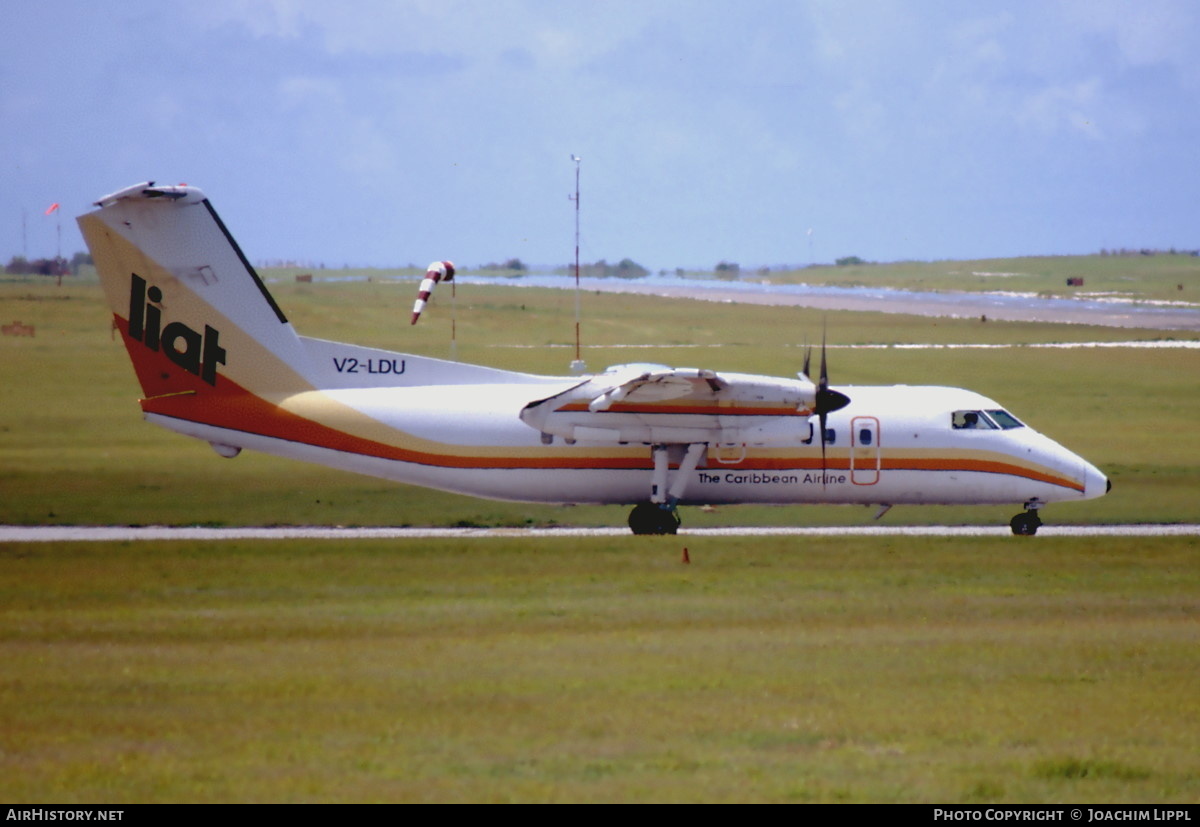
(1028, 522)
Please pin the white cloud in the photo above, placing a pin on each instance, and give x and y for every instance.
(1149, 33)
(1071, 106)
(261, 18)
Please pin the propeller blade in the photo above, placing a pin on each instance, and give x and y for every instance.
(824, 383)
(821, 419)
(822, 400)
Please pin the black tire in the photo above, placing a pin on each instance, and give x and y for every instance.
(1026, 524)
(648, 518)
(669, 522)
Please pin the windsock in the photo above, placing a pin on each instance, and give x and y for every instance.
(435, 272)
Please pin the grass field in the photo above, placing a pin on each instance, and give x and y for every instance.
(893, 670)
(768, 669)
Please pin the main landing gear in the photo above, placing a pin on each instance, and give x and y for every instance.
(1028, 522)
(660, 515)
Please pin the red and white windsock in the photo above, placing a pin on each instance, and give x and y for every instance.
(435, 272)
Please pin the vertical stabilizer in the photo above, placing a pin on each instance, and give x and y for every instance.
(195, 316)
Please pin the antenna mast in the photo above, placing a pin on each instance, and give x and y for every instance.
(577, 366)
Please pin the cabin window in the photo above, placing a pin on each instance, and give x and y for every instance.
(864, 436)
(971, 421)
(830, 436)
(1005, 420)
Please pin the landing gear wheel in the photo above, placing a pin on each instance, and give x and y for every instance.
(649, 518)
(1025, 524)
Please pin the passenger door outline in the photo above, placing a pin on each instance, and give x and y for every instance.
(865, 457)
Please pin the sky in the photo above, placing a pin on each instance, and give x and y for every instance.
(761, 132)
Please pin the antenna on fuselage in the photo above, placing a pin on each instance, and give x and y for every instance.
(578, 365)
(454, 321)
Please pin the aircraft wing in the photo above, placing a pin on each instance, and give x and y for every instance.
(648, 387)
(663, 405)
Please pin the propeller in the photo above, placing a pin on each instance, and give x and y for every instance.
(827, 399)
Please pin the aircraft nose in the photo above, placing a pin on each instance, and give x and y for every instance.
(1095, 483)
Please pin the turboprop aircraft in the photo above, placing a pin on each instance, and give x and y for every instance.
(218, 360)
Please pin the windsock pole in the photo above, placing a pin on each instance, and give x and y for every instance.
(454, 321)
(578, 365)
(435, 272)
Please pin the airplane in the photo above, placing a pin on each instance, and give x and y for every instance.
(217, 360)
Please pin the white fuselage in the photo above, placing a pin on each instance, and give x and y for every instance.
(891, 445)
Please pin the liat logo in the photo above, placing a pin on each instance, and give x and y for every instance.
(198, 354)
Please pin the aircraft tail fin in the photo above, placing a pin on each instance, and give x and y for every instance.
(193, 313)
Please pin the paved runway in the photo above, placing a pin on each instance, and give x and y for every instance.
(958, 305)
(61, 534)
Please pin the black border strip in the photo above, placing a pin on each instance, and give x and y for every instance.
(245, 262)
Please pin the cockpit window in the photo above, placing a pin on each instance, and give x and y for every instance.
(1006, 420)
(971, 421)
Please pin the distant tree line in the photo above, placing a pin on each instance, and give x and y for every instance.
(514, 265)
(1144, 251)
(57, 266)
(626, 268)
(281, 263)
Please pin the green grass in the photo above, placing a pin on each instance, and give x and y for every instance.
(73, 448)
(888, 670)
